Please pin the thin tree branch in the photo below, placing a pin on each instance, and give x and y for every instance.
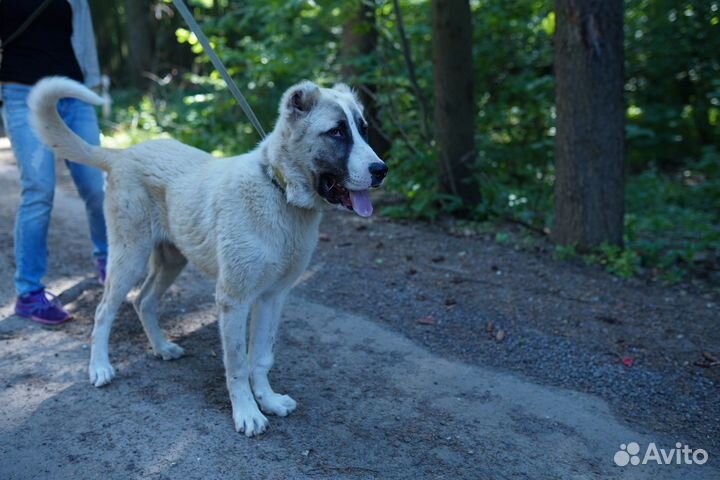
(411, 71)
(395, 122)
(372, 121)
(391, 106)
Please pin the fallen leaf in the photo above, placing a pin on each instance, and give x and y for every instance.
(627, 361)
(438, 259)
(709, 360)
(450, 302)
(500, 335)
(710, 356)
(324, 237)
(706, 364)
(429, 320)
(489, 327)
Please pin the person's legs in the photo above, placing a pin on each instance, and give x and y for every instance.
(37, 186)
(89, 181)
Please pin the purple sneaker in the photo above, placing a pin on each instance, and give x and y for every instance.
(101, 264)
(38, 307)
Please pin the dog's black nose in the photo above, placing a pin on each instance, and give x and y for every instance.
(378, 170)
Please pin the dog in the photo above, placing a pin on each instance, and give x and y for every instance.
(249, 222)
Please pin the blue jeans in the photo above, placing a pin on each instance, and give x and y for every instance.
(37, 183)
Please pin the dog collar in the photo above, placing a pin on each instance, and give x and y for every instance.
(277, 177)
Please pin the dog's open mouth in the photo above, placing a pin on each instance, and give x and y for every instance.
(333, 191)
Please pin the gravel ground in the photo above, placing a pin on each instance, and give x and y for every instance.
(461, 358)
(563, 324)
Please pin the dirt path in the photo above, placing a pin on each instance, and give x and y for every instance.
(380, 394)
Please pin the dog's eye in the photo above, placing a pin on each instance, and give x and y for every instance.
(336, 132)
(364, 130)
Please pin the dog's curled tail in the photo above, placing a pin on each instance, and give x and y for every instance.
(51, 129)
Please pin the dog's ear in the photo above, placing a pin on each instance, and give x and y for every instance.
(343, 88)
(300, 99)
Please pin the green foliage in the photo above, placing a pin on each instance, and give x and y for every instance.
(673, 221)
(672, 80)
(502, 238)
(564, 252)
(672, 92)
(623, 262)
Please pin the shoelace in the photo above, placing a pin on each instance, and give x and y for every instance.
(46, 303)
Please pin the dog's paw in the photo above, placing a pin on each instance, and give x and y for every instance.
(277, 404)
(169, 351)
(101, 373)
(249, 420)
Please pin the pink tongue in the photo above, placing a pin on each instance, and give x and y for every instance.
(361, 202)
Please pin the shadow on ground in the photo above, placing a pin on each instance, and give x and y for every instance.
(371, 405)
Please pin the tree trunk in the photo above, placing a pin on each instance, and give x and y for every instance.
(140, 40)
(590, 124)
(454, 103)
(359, 39)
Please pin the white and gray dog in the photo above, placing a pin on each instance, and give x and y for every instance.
(250, 222)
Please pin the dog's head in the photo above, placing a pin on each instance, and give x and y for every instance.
(321, 147)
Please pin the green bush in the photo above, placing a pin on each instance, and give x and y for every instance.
(672, 92)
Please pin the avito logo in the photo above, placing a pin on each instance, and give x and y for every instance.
(680, 455)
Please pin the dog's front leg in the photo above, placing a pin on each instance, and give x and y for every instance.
(233, 313)
(263, 331)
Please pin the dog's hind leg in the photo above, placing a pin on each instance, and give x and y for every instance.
(166, 263)
(233, 312)
(263, 331)
(125, 267)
